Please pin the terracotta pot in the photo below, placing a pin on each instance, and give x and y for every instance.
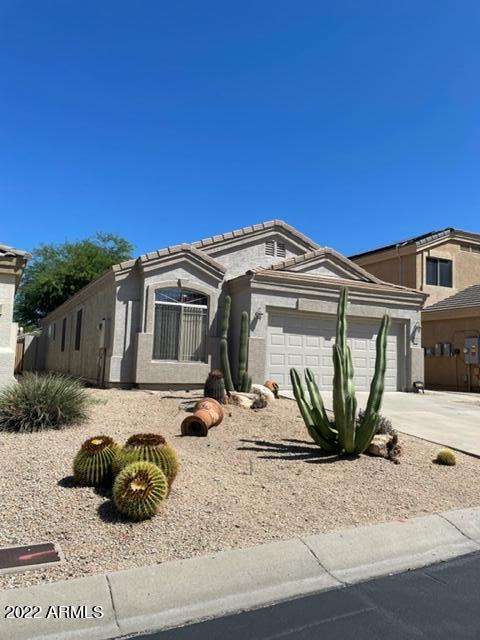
(207, 413)
(273, 386)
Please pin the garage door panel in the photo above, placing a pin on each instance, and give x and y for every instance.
(296, 340)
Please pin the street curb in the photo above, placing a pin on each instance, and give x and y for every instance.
(183, 591)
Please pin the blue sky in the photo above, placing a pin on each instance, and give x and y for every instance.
(358, 122)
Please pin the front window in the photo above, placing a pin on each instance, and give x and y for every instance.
(180, 325)
(439, 272)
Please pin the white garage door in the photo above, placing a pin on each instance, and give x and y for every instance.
(306, 340)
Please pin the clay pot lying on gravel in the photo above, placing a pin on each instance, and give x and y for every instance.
(273, 386)
(207, 413)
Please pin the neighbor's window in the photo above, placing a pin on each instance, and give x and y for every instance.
(78, 330)
(64, 333)
(180, 325)
(439, 272)
(54, 330)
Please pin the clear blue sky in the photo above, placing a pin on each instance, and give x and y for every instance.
(357, 121)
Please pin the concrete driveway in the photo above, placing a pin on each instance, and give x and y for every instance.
(447, 418)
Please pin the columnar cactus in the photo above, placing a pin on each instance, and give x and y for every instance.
(224, 359)
(139, 490)
(92, 465)
(244, 380)
(345, 434)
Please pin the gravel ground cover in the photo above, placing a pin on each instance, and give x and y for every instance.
(255, 479)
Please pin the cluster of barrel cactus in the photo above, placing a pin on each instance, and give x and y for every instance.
(244, 380)
(144, 469)
(346, 433)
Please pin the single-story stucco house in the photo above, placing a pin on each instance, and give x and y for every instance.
(155, 321)
(12, 265)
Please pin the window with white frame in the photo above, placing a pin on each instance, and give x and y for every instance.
(180, 325)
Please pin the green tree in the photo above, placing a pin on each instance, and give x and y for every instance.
(57, 271)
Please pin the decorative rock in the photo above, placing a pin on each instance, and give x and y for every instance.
(261, 390)
(378, 446)
(244, 400)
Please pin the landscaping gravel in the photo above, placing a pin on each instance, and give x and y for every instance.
(254, 479)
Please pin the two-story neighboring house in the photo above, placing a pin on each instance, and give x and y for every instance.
(445, 264)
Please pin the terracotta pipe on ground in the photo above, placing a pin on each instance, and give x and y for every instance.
(207, 413)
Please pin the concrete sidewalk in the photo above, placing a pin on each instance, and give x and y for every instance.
(175, 593)
(446, 418)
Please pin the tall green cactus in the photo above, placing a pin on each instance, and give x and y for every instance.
(224, 359)
(343, 434)
(244, 380)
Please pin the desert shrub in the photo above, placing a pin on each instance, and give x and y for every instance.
(38, 402)
(384, 424)
(447, 457)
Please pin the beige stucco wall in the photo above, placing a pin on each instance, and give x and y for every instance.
(250, 253)
(392, 266)
(97, 303)
(450, 372)
(466, 269)
(8, 329)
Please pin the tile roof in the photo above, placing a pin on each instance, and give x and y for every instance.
(469, 297)
(6, 250)
(272, 274)
(172, 250)
(319, 253)
(245, 231)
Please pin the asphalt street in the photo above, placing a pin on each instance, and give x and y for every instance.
(438, 602)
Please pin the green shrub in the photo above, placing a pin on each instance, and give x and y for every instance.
(447, 457)
(38, 402)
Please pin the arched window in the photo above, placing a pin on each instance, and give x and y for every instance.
(180, 329)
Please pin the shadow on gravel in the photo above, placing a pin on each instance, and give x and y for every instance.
(291, 450)
(68, 482)
(108, 513)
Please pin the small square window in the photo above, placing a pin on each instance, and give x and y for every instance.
(439, 272)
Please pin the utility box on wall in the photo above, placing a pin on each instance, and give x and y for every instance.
(470, 350)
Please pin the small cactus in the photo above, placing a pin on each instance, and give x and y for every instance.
(148, 447)
(92, 465)
(447, 457)
(215, 386)
(139, 490)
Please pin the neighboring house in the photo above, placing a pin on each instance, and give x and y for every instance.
(446, 265)
(451, 331)
(12, 265)
(155, 321)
